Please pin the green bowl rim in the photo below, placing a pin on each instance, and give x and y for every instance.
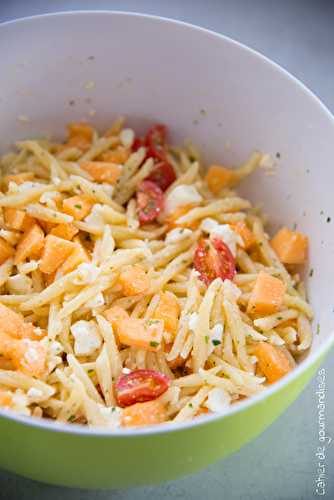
(55, 426)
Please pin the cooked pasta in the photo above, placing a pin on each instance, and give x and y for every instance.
(136, 286)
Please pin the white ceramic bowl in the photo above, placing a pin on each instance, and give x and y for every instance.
(230, 100)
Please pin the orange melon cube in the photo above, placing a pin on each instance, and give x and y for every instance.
(168, 311)
(30, 245)
(17, 178)
(78, 256)
(29, 356)
(13, 324)
(290, 246)
(55, 252)
(219, 177)
(115, 315)
(80, 136)
(78, 206)
(267, 295)
(146, 334)
(80, 129)
(65, 231)
(17, 219)
(246, 234)
(119, 155)
(102, 171)
(6, 250)
(5, 399)
(49, 278)
(171, 219)
(46, 225)
(148, 413)
(273, 361)
(134, 280)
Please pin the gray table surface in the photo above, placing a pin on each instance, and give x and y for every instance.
(281, 464)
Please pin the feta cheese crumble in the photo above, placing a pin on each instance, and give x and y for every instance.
(224, 232)
(181, 195)
(86, 338)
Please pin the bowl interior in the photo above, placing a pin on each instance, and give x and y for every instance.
(228, 99)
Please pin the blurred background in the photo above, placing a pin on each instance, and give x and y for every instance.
(281, 464)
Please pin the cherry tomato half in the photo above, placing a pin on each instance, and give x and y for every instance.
(137, 143)
(149, 201)
(139, 386)
(213, 259)
(156, 136)
(163, 175)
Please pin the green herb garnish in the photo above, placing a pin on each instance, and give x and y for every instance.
(318, 329)
(71, 418)
(78, 206)
(216, 342)
(311, 272)
(153, 343)
(206, 339)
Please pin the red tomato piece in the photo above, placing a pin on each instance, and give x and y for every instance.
(213, 259)
(137, 143)
(156, 136)
(163, 175)
(149, 201)
(140, 386)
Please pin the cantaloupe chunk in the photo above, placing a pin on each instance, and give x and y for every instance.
(148, 413)
(30, 245)
(219, 177)
(146, 334)
(65, 231)
(6, 250)
(80, 136)
(17, 178)
(17, 219)
(115, 315)
(246, 234)
(49, 278)
(102, 171)
(171, 219)
(273, 361)
(119, 155)
(267, 295)
(78, 206)
(77, 257)
(29, 356)
(5, 399)
(290, 246)
(134, 280)
(168, 311)
(13, 324)
(55, 252)
(46, 225)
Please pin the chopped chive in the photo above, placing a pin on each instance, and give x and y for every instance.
(318, 329)
(206, 339)
(153, 343)
(311, 272)
(78, 206)
(216, 342)
(190, 405)
(328, 219)
(71, 418)
(279, 318)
